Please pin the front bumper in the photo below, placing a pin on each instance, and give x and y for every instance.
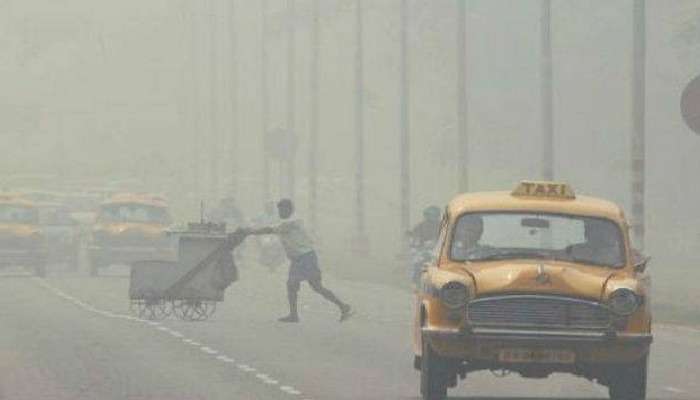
(481, 344)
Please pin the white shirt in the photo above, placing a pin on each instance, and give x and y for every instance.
(294, 239)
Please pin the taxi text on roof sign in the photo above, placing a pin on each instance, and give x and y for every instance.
(550, 190)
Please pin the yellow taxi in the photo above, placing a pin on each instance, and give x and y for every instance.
(21, 239)
(534, 281)
(129, 228)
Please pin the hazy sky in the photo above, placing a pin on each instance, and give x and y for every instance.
(108, 90)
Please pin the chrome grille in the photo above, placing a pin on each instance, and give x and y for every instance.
(538, 312)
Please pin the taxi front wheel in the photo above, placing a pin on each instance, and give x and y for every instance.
(434, 374)
(630, 381)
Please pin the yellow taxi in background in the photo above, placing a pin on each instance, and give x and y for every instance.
(534, 281)
(129, 228)
(21, 239)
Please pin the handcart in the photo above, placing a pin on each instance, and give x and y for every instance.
(190, 287)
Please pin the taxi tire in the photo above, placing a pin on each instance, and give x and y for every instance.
(434, 372)
(630, 381)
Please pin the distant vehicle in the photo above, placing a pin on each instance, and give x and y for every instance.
(535, 282)
(62, 234)
(42, 196)
(129, 228)
(21, 238)
(83, 206)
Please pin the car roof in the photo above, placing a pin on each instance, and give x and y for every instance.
(506, 201)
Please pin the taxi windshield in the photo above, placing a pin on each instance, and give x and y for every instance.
(515, 235)
(18, 214)
(138, 213)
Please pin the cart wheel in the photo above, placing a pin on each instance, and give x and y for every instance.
(193, 310)
(182, 309)
(150, 309)
(203, 310)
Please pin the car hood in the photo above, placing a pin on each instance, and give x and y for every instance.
(540, 277)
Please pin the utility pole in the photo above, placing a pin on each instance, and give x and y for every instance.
(404, 127)
(195, 110)
(265, 102)
(214, 102)
(313, 145)
(361, 242)
(546, 92)
(462, 134)
(232, 148)
(638, 147)
(291, 109)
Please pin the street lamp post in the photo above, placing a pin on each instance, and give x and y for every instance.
(546, 92)
(232, 147)
(637, 144)
(213, 102)
(313, 140)
(361, 242)
(462, 138)
(265, 102)
(404, 126)
(290, 169)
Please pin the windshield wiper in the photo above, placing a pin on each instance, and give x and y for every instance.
(511, 255)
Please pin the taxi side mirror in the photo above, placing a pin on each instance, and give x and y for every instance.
(641, 264)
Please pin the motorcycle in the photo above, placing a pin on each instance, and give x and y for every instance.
(419, 253)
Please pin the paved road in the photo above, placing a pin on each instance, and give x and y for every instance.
(72, 337)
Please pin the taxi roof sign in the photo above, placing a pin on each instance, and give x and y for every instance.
(541, 189)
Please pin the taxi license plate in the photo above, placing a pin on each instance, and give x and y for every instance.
(536, 356)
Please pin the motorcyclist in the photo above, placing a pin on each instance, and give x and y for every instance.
(428, 229)
(422, 240)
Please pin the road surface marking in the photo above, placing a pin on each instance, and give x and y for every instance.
(265, 378)
(674, 390)
(246, 368)
(290, 390)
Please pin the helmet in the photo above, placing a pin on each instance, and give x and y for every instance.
(285, 208)
(432, 213)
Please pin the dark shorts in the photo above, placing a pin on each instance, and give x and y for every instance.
(304, 268)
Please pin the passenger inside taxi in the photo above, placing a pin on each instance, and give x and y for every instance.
(602, 244)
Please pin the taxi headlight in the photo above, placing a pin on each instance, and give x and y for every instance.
(454, 295)
(623, 302)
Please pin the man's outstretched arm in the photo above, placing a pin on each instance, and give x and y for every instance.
(267, 230)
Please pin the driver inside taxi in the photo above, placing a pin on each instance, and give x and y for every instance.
(467, 235)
